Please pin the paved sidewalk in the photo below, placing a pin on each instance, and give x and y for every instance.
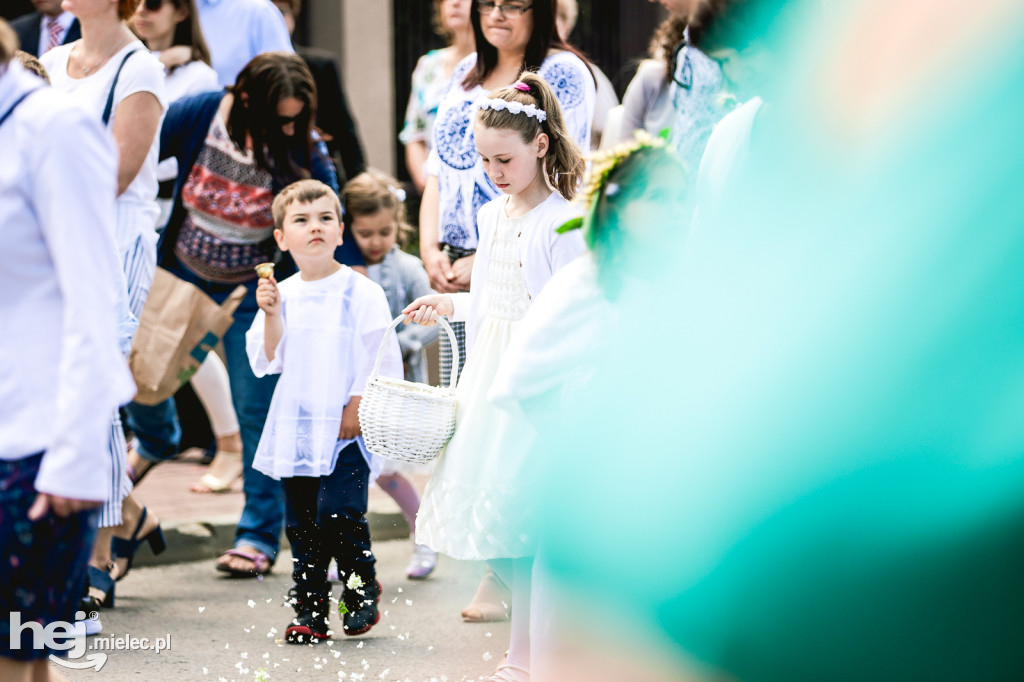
(201, 526)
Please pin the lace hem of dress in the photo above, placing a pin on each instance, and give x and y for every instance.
(473, 523)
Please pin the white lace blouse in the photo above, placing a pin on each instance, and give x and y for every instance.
(333, 328)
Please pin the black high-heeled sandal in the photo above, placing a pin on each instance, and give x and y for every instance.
(125, 549)
(102, 581)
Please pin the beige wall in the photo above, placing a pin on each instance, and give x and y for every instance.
(359, 32)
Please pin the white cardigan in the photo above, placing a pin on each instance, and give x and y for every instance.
(542, 252)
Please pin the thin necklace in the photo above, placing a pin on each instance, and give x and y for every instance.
(87, 71)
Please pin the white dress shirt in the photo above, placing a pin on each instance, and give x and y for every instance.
(238, 30)
(61, 373)
(64, 20)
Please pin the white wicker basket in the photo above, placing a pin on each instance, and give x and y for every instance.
(405, 420)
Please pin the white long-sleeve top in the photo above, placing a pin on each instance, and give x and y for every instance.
(542, 251)
(332, 331)
(61, 373)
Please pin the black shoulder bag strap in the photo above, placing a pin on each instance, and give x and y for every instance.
(15, 105)
(110, 96)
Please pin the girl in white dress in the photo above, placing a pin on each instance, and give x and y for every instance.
(476, 505)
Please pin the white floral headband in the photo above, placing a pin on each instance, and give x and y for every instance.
(514, 108)
(398, 193)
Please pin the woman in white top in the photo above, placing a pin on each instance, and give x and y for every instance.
(62, 372)
(110, 73)
(166, 24)
(171, 29)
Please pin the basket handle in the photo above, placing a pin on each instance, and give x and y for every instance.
(451, 337)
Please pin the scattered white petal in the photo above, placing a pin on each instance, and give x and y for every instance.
(488, 634)
(201, 609)
(360, 645)
(408, 602)
(487, 656)
(205, 671)
(400, 590)
(251, 604)
(244, 654)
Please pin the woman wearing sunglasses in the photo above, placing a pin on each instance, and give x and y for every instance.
(113, 75)
(236, 149)
(170, 29)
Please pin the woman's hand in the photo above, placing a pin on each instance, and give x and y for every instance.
(268, 297)
(460, 273)
(425, 309)
(60, 506)
(350, 420)
(439, 269)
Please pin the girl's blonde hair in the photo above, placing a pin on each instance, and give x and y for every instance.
(564, 161)
(373, 190)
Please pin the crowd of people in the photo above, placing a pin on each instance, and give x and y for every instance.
(557, 231)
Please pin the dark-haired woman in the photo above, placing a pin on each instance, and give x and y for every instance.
(236, 149)
(166, 24)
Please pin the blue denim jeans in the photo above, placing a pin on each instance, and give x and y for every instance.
(158, 431)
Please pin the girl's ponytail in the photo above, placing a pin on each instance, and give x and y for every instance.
(563, 164)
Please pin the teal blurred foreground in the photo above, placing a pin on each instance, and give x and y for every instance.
(801, 456)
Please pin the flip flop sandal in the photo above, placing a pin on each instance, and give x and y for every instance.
(260, 561)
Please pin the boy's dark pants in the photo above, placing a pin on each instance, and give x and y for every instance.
(325, 517)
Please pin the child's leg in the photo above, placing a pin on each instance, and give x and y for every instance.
(310, 556)
(517, 573)
(341, 512)
(491, 602)
(403, 493)
(342, 515)
(213, 388)
(401, 490)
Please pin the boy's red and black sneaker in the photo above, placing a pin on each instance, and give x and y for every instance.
(310, 624)
(359, 608)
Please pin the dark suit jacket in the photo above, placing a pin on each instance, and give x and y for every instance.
(333, 116)
(28, 26)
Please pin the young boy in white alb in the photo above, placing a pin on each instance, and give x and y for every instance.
(320, 329)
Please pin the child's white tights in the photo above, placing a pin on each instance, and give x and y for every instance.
(213, 389)
(517, 574)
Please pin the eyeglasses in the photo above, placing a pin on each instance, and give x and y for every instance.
(153, 5)
(505, 9)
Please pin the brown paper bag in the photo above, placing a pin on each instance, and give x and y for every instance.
(179, 325)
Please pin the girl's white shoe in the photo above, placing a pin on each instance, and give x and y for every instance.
(422, 563)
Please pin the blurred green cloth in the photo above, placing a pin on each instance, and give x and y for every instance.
(805, 460)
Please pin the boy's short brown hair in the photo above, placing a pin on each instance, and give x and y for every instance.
(303, 192)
